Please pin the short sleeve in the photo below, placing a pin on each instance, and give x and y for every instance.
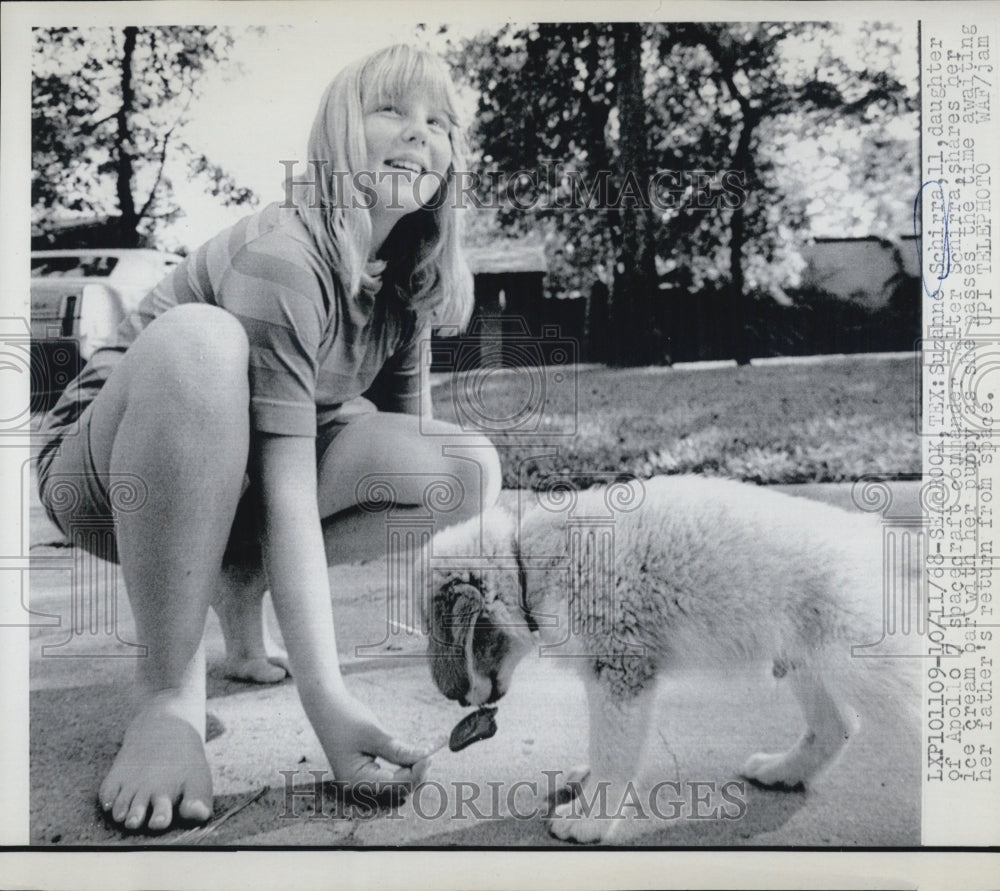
(403, 385)
(283, 309)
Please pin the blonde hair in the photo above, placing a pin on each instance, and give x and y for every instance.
(426, 266)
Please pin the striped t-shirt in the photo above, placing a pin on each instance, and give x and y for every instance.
(312, 347)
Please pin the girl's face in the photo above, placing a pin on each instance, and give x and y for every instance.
(409, 151)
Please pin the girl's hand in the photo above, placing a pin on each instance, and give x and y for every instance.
(295, 561)
(355, 740)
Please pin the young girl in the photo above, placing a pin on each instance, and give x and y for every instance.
(234, 397)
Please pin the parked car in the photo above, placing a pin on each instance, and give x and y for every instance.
(78, 299)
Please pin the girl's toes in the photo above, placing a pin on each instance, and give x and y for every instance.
(108, 794)
(162, 812)
(268, 671)
(137, 812)
(120, 809)
(194, 809)
(281, 660)
(196, 796)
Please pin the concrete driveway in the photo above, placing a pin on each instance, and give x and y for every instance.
(493, 794)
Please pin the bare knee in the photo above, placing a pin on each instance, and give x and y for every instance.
(195, 358)
(488, 473)
(433, 464)
(201, 335)
(472, 461)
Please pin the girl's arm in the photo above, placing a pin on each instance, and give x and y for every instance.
(295, 561)
(404, 384)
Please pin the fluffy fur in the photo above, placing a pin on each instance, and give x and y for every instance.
(689, 571)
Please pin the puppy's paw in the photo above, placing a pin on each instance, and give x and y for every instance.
(586, 817)
(567, 824)
(571, 786)
(780, 772)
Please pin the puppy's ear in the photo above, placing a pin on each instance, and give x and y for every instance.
(455, 608)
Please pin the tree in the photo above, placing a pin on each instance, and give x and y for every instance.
(108, 110)
(547, 93)
(631, 319)
(749, 63)
(606, 105)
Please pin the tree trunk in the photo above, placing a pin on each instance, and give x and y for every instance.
(597, 323)
(725, 59)
(738, 300)
(739, 344)
(124, 169)
(631, 317)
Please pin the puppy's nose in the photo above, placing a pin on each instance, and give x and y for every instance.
(495, 691)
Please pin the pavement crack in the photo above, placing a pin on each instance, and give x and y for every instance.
(670, 752)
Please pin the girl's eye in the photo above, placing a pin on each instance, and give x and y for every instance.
(388, 108)
(438, 123)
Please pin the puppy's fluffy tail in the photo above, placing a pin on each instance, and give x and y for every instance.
(854, 703)
(876, 698)
(881, 692)
(873, 675)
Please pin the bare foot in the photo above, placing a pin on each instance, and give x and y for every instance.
(161, 768)
(251, 655)
(271, 668)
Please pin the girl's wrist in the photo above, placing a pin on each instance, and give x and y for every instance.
(325, 692)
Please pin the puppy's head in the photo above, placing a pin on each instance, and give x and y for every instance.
(477, 629)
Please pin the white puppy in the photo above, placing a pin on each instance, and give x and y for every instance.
(680, 571)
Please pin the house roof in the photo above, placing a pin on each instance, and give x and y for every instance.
(506, 255)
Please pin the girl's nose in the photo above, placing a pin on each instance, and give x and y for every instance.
(415, 129)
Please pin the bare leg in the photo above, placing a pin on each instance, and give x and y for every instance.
(423, 468)
(175, 413)
(251, 655)
(392, 453)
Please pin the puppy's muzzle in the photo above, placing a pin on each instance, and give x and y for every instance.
(455, 610)
(466, 649)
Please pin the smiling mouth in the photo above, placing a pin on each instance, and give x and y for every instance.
(409, 166)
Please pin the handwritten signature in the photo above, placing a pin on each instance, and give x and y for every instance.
(918, 235)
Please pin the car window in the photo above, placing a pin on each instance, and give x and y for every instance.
(88, 267)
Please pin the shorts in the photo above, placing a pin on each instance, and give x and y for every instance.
(83, 502)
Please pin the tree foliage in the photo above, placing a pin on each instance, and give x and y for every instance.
(637, 99)
(108, 112)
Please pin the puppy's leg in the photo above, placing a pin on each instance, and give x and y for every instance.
(620, 716)
(826, 734)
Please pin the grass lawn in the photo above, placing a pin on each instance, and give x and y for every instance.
(826, 420)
